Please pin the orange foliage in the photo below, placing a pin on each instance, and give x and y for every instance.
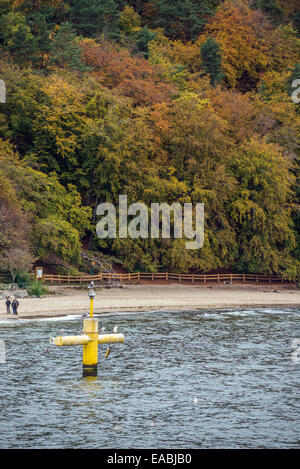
(250, 44)
(239, 31)
(149, 12)
(133, 77)
(236, 109)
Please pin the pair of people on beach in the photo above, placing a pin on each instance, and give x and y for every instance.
(14, 304)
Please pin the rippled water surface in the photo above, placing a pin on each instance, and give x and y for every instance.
(180, 380)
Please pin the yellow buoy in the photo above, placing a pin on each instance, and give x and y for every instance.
(90, 340)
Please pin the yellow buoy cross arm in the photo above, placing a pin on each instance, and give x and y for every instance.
(70, 340)
(85, 339)
(110, 338)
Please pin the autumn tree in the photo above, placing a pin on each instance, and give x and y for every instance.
(40, 216)
(131, 76)
(249, 44)
(265, 237)
(15, 249)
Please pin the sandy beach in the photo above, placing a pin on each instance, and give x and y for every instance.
(64, 300)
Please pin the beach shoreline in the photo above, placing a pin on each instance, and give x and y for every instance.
(141, 298)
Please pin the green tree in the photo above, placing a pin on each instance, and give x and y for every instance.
(46, 218)
(65, 49)
(17, 37)
(182, 19)
(40, 29)
(5, 7)
(211, 60)
(58, 237)
(296, 21)
(261, 211)
(142, 39)
(271, 9)
(91, 17)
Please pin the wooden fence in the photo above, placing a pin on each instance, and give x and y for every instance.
(164, 277)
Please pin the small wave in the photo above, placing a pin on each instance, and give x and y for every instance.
(69, 317)
(18, 321)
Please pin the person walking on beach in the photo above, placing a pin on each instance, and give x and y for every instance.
(15, 305)
(8, 303)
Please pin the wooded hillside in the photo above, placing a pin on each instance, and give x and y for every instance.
(165, 101)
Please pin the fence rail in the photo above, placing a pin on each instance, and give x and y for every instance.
(164, 276)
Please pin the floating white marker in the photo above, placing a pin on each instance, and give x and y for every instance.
(117, 428)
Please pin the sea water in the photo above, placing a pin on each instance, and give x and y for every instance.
(192, 379)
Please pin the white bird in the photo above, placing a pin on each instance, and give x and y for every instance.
(152, 424)
(61, 332)
(102, 330)
(118, 428)
(91, 284)
(196, 400)
(85, 315)
(115, 329)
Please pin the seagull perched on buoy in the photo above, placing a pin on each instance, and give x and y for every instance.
(91, 285)
(102, 330)
(84, 315)
(115, 329)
